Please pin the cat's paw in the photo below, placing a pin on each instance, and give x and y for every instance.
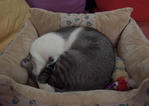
(46, 87)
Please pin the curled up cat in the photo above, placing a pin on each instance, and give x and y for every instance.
(72, 59)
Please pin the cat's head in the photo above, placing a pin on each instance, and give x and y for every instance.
(29, 64)
(47, 71)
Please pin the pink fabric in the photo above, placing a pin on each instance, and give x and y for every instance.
(69, 6)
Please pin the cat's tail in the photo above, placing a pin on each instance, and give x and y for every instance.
(72, 38)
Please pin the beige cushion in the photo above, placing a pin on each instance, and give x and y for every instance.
(133, 47)
(17, 49)
(13, 93)
(13, 14)
(110, 23)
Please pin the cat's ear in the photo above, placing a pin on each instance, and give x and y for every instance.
(27, 63)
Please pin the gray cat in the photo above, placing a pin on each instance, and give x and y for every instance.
(85, 64)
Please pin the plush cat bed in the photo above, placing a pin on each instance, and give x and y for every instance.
(124, 33)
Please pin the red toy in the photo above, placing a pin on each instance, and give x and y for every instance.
(121, 84)
(121, 80)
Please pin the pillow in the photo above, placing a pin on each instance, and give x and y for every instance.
(17, 50)
(14, 13)
(133, 47)
(141, 7)
(110, 23)
(69, 6)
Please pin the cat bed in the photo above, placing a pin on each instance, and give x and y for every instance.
(120, 28)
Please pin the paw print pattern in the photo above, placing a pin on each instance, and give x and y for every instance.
(122, 105)
(147, 91)
(11, 88)
(88, 23)
(146, 104)
(32, 102)
(96, 104)
(15, 100)
(87, 17)
(78, 20)
(68, 22)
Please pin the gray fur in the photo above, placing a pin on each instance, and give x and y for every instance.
(87, 65)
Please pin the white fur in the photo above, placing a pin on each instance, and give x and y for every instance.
(50, 45)
(72, 38)
(46, 87)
